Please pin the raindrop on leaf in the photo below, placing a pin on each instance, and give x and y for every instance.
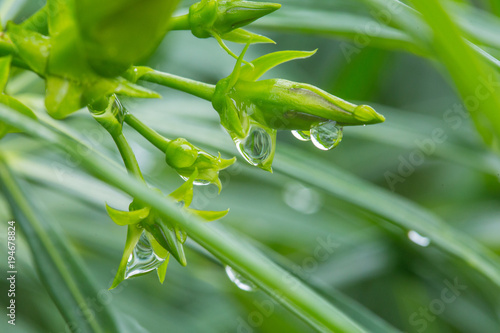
(239, 281)
(418, 239)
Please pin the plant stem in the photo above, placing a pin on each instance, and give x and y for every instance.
(193, 87)
(149, 134)
(128, 156)
(180, 23)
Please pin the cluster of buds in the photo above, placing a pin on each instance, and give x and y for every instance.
(153, 234)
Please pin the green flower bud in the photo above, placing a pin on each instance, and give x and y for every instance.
(221, 17)
(251, 111)
(185, 158)
(286, 105)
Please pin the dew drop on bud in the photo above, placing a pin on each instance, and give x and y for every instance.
(143, 258)
(239, 281)
(256, 147)
(326, 135)
(302, 135)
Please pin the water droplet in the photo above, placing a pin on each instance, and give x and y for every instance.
(418, 239)
(143, 259)
(257, 146)
(301, 198)
(326, 135)
(199, 182)
(302, 135)
(239, 281)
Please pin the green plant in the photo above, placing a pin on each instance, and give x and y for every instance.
(91, 54)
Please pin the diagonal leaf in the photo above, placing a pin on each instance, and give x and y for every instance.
(262, 64)
(58, 266)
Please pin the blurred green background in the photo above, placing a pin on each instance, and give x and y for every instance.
(289, 213)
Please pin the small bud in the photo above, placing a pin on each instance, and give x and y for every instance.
(185, 158)
(220, 17)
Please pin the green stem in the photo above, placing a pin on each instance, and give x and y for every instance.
(196, 88)
(180, 23)
(128, 156)
(149, 134)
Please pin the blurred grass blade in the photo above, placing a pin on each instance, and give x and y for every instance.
(472, 77)
(338, 24)
(58, 266)
(391, 207)
(242, 257)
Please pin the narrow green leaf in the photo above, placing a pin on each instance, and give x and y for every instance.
(262, 64)
(59, 268)
(244, 36)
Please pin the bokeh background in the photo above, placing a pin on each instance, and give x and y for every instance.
(374, 264)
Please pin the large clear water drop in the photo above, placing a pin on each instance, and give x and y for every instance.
(239, 281)
(257, 146)
(418, 239)
(143, 258)
(302, 135)
(326, 135)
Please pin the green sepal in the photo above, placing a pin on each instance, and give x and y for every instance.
(184, 193)
(127, 217)
(162, 269)
(133, 235)
(32, 47)
(166, 237)
(38, 22)
(244, 36)
(263, 64)
(209, 216)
